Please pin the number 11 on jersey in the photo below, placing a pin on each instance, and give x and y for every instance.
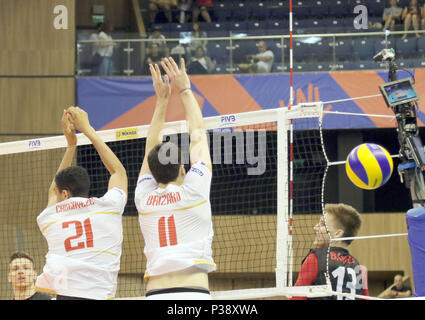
(162, 231)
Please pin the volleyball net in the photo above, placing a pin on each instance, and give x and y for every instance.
(261, 192)
(268, 191)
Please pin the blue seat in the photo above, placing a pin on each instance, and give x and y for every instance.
(237, 26)
(421, 46)
(222, 11)
(301, 8)
(366, 65)
(301, 51)
(343, 49)
(319, 8)
(218, 33)
(217, 50)
(339, 7)
(242, 49)
(239, 11)
(380, 44)
(322, 49)
(279, 9)
(277, 27)
(374, 7)
(179, 27)
(333, 24)
(259, 10)
(363, 48)
(406, 47)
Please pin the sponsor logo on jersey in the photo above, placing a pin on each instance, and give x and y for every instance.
(194, 169)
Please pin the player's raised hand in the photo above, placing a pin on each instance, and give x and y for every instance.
(79, 118)
(162, 86)
(177, 75)
(68, 129)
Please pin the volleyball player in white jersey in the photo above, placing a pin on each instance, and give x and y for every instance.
(174, 207)
(84, 235)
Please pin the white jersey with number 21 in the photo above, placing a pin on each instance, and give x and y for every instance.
(84, 236)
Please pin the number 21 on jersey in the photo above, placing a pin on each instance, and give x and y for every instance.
(80, 229)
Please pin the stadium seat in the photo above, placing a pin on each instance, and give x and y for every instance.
(343, 48)
(240, 11)
(363, 48)
(319, 8)
(259, 10)
(375, 7)
(333, 25)
(366, 65)
(237, 26)
(301, 8)
(301, 51)
(217, 50)
(257, 28)
(279, 9)
(322, 49)
(222, 11)
(380, 44)
(421, 46)
(339, 7)
(406, 48)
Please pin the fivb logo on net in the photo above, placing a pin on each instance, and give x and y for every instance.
(249, 144)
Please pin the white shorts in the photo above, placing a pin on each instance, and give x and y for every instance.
(179, 294)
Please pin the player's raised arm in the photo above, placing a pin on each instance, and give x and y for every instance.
(162, 90)
(71, 138)
(199, 149)
(118, 179)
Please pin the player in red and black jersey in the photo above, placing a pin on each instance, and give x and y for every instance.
(345, 272)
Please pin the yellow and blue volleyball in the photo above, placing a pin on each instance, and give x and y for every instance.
(369, 166)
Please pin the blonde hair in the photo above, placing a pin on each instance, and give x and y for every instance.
(347, 218)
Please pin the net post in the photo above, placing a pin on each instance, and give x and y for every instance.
(282, 226)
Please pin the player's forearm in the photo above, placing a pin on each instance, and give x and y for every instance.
(65, 163)
(109, 159)
(193, 112)
(157, 124)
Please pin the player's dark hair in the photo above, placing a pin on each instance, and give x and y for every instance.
(75, 179)
(347, 218)
(20, 254)
(164, 162)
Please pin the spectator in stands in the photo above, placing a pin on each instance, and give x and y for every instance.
(165, 5)
(106, 49)
(411, 15)
(96, 58)
(159, 39)
(195, 42)
(261, 62)
(22, 277)
(154, 56)
(346, 275)
(398, 289)
(200, 63)
(423, 17)
(201, 7)
(391, 15)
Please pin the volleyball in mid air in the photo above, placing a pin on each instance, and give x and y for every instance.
(369, 166)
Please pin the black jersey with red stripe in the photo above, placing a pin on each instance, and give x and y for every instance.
(345, 272)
